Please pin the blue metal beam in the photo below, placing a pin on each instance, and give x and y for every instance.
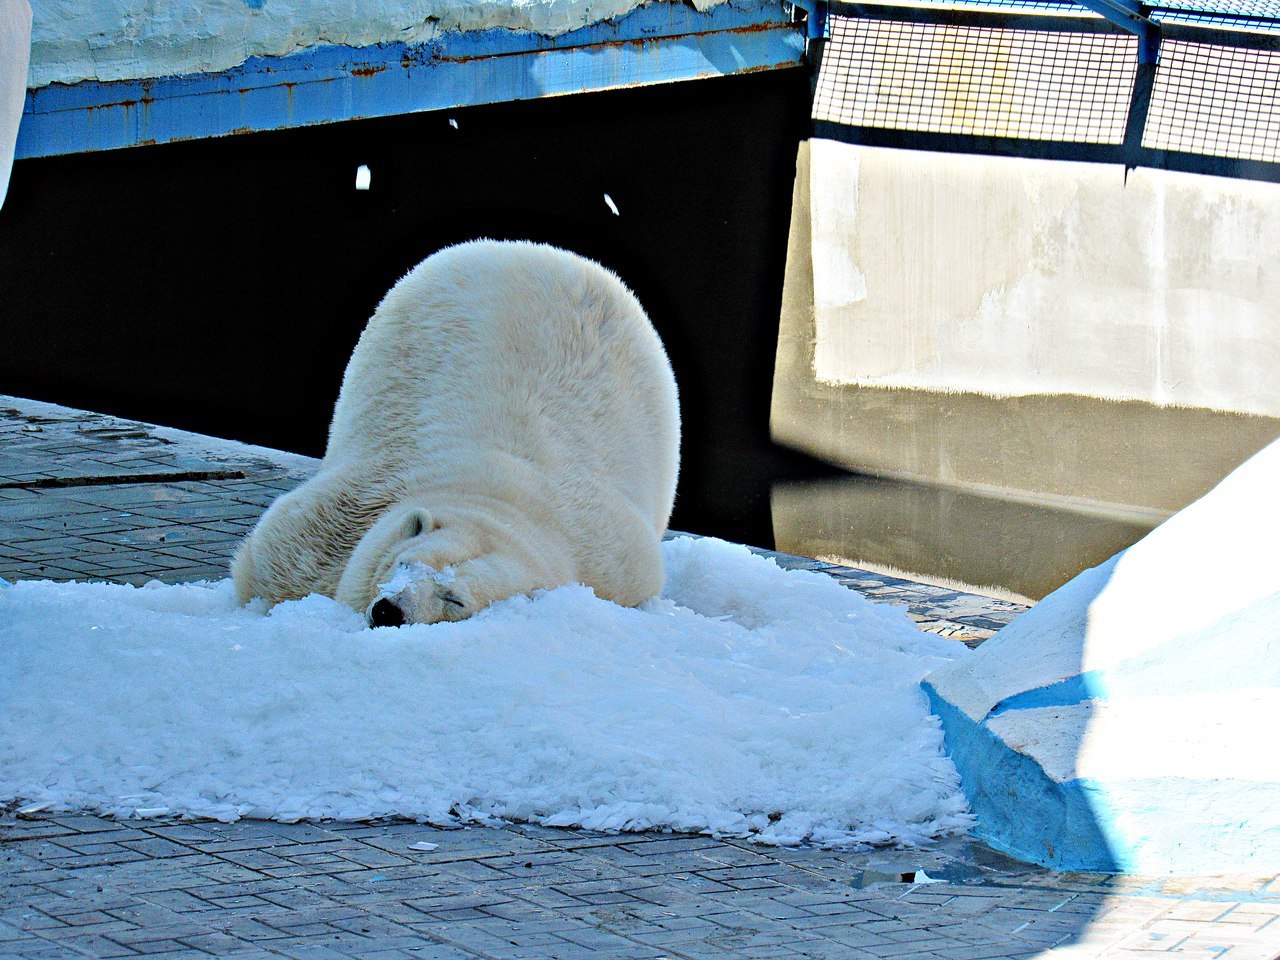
(1129, 15)
(815, 17)
(657, 43)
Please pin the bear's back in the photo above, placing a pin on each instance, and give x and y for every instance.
(516, 349)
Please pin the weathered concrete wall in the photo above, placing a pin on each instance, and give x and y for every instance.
(134, 39)
(1035, 328)
(1010, 276)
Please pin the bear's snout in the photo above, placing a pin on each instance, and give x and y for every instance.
(385, 613)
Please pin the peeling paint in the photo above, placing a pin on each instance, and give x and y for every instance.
(128, 39)
(656, 44)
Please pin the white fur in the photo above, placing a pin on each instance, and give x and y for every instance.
(508, 412)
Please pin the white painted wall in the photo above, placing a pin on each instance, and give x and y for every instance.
(1011, 277)
(15, 45)
(76, 40)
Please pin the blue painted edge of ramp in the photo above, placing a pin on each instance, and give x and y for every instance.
(1188, 823)
(657, 43)
(1020, 810)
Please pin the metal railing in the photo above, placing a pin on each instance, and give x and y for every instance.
(1192, 86)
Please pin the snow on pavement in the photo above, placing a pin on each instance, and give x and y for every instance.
(746, 701)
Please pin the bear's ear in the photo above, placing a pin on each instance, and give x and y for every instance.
(420, 522)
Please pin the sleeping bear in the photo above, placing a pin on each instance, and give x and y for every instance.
(507, 422)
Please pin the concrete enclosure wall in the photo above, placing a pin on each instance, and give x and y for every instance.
(1036, 327)
(1010, 276)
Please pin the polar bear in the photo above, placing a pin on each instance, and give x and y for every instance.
(508, 422)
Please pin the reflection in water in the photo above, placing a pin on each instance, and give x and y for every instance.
(954, 860)
(983, 544)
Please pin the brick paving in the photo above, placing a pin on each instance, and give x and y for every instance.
(88, 496)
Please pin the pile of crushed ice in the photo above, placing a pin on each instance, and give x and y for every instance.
(745, 701)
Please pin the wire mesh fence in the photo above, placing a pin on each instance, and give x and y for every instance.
(945, 78)
(1049, 82)
(1216, 100)
(1232, 8)
(1215, 21)
(1060, 8)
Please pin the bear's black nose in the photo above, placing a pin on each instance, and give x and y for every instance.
(386, 614)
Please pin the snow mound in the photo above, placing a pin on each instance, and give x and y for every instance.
(745, 701)
(1121, 724)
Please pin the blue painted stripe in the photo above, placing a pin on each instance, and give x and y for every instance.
(1171, 824)
(1089, 685)
(1021, 810)
(654, 44)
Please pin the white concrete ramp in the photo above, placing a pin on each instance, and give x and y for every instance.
(1128, 722)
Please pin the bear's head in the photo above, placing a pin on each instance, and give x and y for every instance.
(417, 565)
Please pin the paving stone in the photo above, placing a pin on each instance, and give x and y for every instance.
(92, 945)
